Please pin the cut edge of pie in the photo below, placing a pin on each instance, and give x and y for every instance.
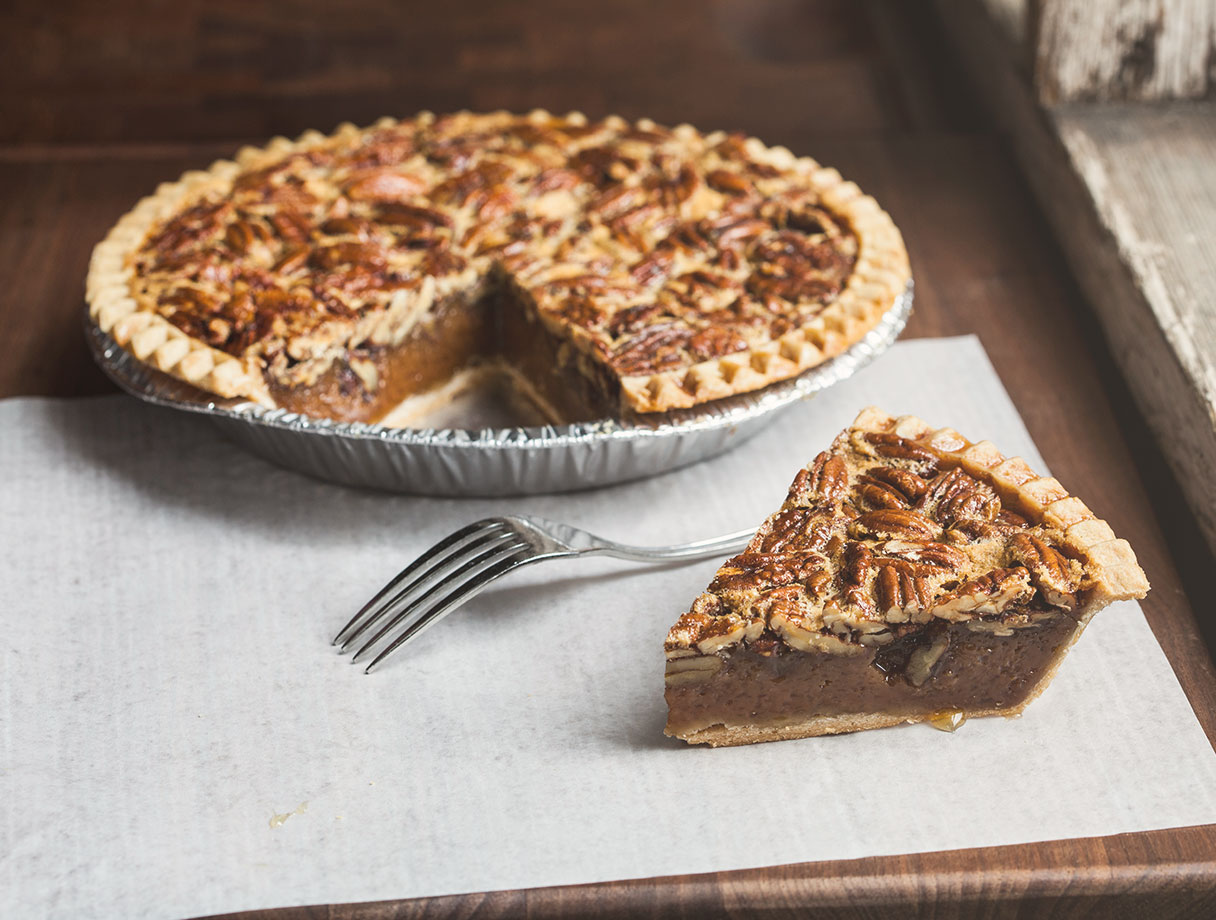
(910, 575)
(879, 276)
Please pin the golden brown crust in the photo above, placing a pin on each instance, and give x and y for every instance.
(1110, 563)
(782, 236)
(814, 727)
(899, 525)
(145, 334)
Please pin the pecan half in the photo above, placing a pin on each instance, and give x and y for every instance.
(894, 522)
(188, 299)
(879, 494)
(384, 148)
(415, 216)
(651, 268)
(923, 661)
(292, 260)
(800, 489)
(715, 341)
(496, 205)
(953, 495)
(191, 226)
(291, 227)
(679, 189)
(442, 261)
(630, 220)
(973, 531)
(617, 201)
(604, 164)
(901, 593)
(761, 571)
(936, 555)
(767, 646)
(978, 504)
(383, 185)
(242, 234)
(555, 179)
(1050, 571)
(366, 255)
(897, 448)
(858, 560)
(908, 483)
(793, 530)
(291, 197)
(655, 347)
(582, 311)
(348, 226)
(790, 266)
(989, 594)
(736, 229)
(461, 188)
(731, 183)
(828, 478)
(632, 319)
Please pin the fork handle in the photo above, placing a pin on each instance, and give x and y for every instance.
(702, 549)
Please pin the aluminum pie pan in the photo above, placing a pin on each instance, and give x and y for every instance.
(494, 461)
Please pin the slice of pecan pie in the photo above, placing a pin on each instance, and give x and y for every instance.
(910, 575)
(609, 267)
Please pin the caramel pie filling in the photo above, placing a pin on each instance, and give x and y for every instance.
(492, 329)
(366, 383)
(961, 667)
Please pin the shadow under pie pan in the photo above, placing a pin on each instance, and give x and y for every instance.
(494, 461)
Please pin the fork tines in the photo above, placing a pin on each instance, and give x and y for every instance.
(441, 578)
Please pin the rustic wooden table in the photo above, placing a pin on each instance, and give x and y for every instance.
(868, 88)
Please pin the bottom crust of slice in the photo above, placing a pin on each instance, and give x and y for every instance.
(750, 698)
(813, 727)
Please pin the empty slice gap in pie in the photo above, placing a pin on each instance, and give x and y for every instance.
(909, 576)
(605, 267)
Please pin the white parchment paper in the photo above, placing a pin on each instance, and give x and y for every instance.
(177, 736)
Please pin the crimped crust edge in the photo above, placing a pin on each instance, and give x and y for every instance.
(881, 274)
(1110, 560)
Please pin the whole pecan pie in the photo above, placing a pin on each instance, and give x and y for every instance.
(910, 575)
(608, 267)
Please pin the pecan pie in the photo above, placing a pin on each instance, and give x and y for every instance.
(609, 267)
(910, 575)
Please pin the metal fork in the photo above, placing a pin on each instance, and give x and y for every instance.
(460, 566)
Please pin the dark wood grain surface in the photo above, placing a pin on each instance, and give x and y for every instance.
(101, 106)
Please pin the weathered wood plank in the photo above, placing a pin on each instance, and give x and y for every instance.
(1131, 193)
(1097, 50)
(1013, 17)
(1144, 249)
(1152, 173)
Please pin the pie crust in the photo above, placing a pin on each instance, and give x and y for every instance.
(661, 267)
(910, 574)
